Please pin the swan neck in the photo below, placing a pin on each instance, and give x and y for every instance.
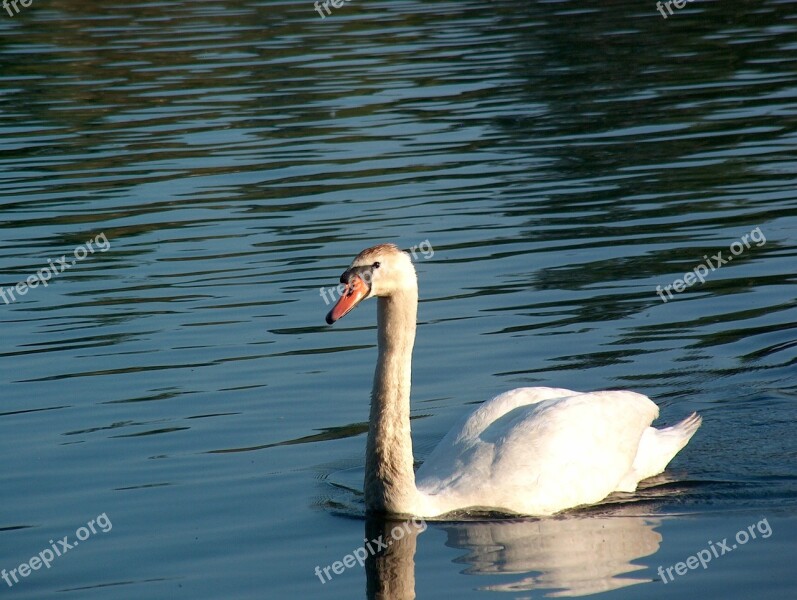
(389, 475)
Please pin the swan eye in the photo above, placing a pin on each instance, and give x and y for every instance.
(376, 265)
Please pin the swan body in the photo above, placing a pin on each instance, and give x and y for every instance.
(528, 451)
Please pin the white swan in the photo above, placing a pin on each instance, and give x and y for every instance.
(529, 451)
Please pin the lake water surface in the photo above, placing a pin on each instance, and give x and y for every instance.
(559, 160)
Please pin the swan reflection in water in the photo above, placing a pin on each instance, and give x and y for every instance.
(566, 556)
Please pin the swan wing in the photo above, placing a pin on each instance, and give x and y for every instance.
(473, 424)
(537, 451)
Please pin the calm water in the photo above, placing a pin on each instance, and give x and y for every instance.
(563, 159)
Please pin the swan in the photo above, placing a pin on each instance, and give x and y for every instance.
(528, 451)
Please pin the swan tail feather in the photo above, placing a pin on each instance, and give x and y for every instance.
(657, 448)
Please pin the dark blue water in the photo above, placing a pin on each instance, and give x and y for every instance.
(177, 387)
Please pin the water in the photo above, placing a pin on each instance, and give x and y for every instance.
(563, 159)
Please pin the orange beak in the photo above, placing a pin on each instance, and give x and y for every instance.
(356, 290)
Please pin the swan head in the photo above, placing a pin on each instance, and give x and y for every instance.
(379, 271)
